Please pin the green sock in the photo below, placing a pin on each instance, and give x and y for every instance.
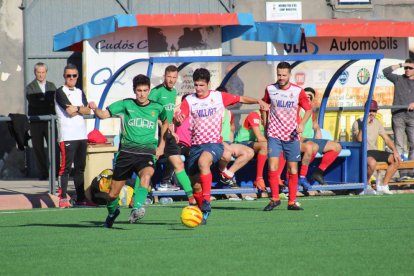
(185, 182)
(112, 205)
(140, 196)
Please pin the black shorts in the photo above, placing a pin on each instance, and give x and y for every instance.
(320, 142)
(379, 155)
(171, 146)
(128, 163)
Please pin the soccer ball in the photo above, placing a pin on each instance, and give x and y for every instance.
(191, 216)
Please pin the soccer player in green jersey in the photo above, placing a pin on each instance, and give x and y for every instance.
(138, 150)
(165, 94)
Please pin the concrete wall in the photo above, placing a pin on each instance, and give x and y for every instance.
(11, 58)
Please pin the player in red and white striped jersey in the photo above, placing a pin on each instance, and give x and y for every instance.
(285, 99)
(205, 109)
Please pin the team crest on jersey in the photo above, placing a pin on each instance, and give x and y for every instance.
(152, 113)
(291, 95)
(212, 101)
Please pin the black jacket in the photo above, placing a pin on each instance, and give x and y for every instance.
(40, 103)
(19, 129)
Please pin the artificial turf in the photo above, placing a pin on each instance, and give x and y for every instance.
(362, 235)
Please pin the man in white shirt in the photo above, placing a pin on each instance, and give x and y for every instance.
(71, 105)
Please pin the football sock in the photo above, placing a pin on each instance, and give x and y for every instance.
(274, 184)
(199, 198)
(205, 181)
(293, 187)
(112, 205)
(303, 170)
(281, 166)
(140, 195)
(227, 173)
(261, 161)
(327, 159)
(185, 182)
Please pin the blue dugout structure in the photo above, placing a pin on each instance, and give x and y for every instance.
(349, 172)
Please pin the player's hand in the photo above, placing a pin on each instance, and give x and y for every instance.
(300, 128)
(159, 152)
(92, 105)
(411, 106)
(179, 118)
(397, 158)
(263, 105)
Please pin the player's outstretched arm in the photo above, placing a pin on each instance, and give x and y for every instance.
(101, 114)
(249, 100)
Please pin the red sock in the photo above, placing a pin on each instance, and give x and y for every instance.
(327, 159)
(205, 181)
(303, 170)
(282, 163)
(274, 184)
(312, 158)
(293, 187)
(199, 198)
(261, 160)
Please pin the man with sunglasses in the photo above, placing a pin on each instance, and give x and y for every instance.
(403, 119)
(375, 129)
(70, 106)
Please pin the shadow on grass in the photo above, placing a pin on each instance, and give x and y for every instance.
(213, 207)
(93, 224)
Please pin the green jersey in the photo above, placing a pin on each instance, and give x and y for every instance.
(140, 124)
(166, 98)
(308, 131)
(226, 126)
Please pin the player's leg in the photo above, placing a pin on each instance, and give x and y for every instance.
(144, 174)
(226, 175)
(274, 150)
(293, 156)
(182, 176)
(243, 155)
(261, 149)
(330, 150)
(309, 150)
(112, 205)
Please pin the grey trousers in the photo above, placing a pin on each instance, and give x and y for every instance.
(403, 124)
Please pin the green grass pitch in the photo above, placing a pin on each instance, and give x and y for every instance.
(360, 235)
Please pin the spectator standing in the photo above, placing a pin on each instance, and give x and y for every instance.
(71, 104)
(403, 119)
(40, 95)
(374, 130)
(283, 130)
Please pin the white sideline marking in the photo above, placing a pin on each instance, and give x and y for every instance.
(184, 203)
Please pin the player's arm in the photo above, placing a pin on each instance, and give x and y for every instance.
(305, 104)
(182, 114)
(101, 114)
(84, 109)
(391, 145)
(232, 127)
(163, 132)
(317, 129)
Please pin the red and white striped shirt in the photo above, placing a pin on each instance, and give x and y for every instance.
(284, 108)
(206, 115)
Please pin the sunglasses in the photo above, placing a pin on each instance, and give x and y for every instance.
(373, 111)
(71, 76)
(408, 68)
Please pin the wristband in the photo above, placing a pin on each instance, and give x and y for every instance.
(78, 109)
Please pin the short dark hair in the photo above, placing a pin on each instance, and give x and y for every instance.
(70, 66)
(170, 68)
(283, 65)
(201, 74)
(140, 80)
(409, 60)
(310, 89)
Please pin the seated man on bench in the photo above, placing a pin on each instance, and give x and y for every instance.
(375, 129)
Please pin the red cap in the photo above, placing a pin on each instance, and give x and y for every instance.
(373, 105)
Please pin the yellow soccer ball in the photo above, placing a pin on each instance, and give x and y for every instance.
(191, 216)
